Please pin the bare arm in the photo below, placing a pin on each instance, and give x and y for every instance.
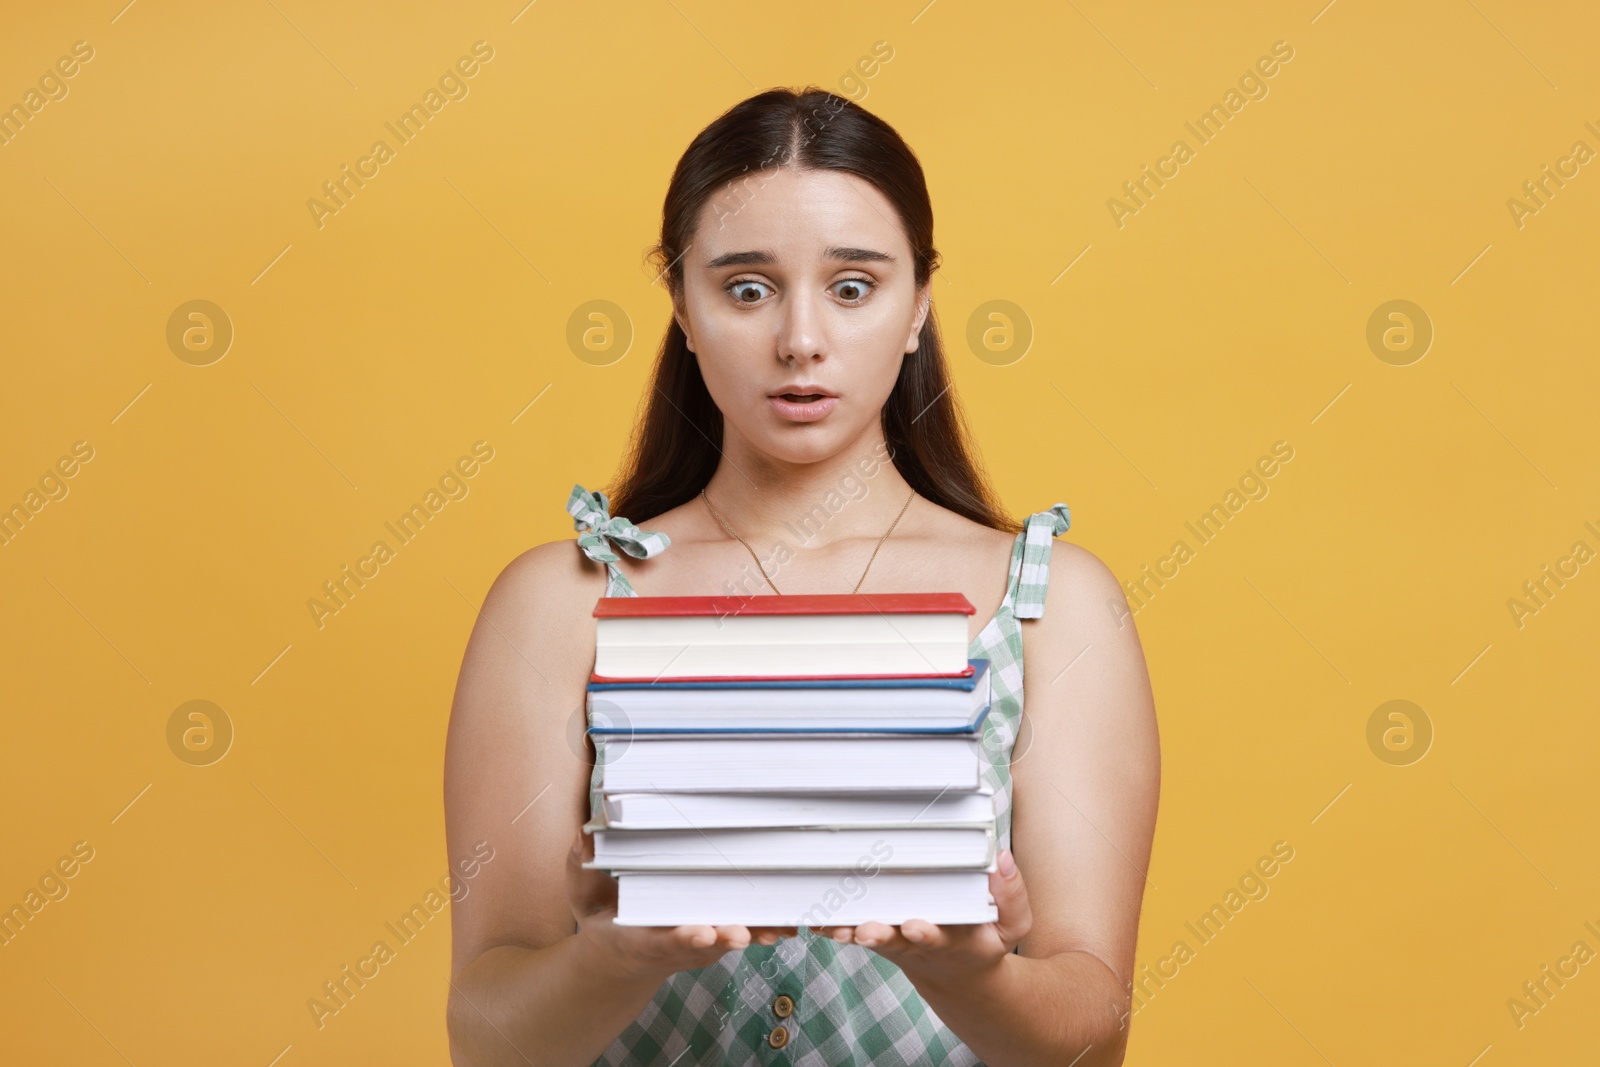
(525, 987)
(1084, 793)
(519, 987)
(1086, 774)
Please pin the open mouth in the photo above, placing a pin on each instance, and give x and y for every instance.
(802, 407)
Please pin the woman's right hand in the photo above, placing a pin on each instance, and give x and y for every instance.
(656, 952)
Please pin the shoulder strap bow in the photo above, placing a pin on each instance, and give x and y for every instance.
(598, 528)
(1041, 529)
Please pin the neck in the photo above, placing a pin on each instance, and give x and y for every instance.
(854, 494)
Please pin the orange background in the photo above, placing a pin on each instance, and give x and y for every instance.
(1167, 355)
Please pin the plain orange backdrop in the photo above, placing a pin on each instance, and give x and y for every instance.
(1165, 356)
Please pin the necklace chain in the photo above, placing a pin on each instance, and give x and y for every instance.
(757, 558)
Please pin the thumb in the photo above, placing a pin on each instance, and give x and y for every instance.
(1011, 900)
(589, 890)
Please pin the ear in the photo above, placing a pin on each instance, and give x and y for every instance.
(681, 315)
(924, 303)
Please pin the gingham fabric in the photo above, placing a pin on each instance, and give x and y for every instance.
(851, 1006)
(591, 516)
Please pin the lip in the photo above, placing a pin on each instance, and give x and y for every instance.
(801, 389)
(807, 412)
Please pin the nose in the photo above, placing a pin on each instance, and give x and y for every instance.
(800, 327)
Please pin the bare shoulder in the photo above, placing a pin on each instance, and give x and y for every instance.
(530, 651)
(973, 540)
(1078, 579)
(958, 553)
(559, 562)
(1085, 610)
(1087, 626)
(545, 582)
(532, 644)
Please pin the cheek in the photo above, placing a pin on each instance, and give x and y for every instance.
(730, 364)
(877, 351)
(725, 342)
(724, 334)
(731, 344)
(882, 335)
(736, 384)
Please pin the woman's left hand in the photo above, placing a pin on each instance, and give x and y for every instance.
(952, 954)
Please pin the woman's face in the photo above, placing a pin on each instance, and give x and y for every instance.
(800, 282)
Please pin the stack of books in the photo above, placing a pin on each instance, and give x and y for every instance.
(791, 760)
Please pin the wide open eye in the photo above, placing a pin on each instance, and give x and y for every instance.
(858, 289)
(741, 290)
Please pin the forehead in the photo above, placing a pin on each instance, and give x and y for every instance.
(798, 212)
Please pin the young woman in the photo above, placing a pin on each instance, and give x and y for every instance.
(801, 420)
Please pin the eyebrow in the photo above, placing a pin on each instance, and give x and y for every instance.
(765, 259)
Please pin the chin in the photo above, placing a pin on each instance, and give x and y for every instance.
(801, 442)
(813, 449)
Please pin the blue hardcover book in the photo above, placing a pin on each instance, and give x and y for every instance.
(952, 704)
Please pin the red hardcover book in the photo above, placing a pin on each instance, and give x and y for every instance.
(614, 678)
(783, 604)
(845, 645)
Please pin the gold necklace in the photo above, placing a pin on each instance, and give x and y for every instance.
(763, 570)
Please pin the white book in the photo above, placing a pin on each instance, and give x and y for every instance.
(680, 811)
(891, 847)
(792, 636)
(807, 898)
(777, 763)
(759, 705)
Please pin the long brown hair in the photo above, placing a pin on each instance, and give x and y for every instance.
(675, 449)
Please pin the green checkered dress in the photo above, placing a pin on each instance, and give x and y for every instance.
(851, 1005)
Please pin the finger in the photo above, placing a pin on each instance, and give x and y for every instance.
(1011, 899)
(733, 936)
(880, 936)
(768, 935)
(841, 934)
(701, 936)
(924, 934)
(694, 936)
